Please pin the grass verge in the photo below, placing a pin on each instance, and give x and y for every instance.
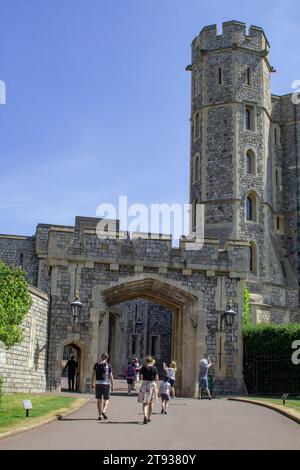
(45, 407)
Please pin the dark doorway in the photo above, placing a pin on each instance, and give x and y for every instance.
(70, 350)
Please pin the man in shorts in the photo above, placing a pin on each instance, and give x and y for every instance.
(103, 380)
(204, 365)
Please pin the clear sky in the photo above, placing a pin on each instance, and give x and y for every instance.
(98, 99)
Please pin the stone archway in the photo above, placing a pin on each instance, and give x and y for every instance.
(69, 350)
(188, 336)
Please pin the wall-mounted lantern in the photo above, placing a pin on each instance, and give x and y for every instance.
(76, 306)
(228, 316)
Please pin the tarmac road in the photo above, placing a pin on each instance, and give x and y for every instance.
(190, 424)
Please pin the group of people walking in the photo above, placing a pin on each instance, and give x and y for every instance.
(103, 383)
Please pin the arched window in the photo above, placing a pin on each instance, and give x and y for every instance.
(250, 162)
(253, 258)
(250, 207)
(197, 168)
(249, 118)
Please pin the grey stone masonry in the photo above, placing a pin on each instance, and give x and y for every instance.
(248, 144)
(20, 251)
(24, 366)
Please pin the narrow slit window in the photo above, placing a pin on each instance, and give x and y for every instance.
(248, 75)
(197, 125)
(249, 118)
(249, 208)
(21, 260)
(220, 76)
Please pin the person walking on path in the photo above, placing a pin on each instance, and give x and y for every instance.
(72, 367)
(130, 376)
(164, 393)
(148, 390)
(103, 380)
(136, 365)
(171, 375)
(204, 365)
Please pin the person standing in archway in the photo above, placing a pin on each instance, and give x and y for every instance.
(72, 367)
(148, 390)
(103, 380)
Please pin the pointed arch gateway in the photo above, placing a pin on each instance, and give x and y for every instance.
(188, 334)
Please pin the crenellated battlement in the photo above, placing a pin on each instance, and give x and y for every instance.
(234, 34)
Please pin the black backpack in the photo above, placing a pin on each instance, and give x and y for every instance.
(101, 371)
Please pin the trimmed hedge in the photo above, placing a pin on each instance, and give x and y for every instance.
(270, 338)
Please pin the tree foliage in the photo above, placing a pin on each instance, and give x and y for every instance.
(15, 301)
(246, 308)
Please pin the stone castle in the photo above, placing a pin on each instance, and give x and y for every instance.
(140, 295)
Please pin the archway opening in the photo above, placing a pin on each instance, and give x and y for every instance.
(70, 374)
(161, 295)
(137, 328)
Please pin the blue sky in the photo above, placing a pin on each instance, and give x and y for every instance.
(98, 99)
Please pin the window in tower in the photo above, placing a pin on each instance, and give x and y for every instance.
(249, 118)
(278, 179)
(250, 162)
(220, 76)
(253, 258)
(196, 214)
(196, 168)
(251, 208)
(197, 125)
(275, 136)
(248, 76)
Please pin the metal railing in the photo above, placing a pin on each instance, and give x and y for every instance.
(267, 374)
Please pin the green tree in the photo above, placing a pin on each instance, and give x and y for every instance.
(15, 301)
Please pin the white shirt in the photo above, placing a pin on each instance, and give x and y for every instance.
(165, 388)
(170, 373)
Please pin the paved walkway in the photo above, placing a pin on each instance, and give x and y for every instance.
(190, 424)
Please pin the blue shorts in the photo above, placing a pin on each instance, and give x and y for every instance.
(203, 383)
(165, 397)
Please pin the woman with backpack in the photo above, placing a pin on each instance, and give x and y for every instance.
(148, 390)
(130, 376)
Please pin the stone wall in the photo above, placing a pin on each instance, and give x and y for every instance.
(19, 251)
(23, 366)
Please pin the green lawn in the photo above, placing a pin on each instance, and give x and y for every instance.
(293, 403)
(12, 414)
